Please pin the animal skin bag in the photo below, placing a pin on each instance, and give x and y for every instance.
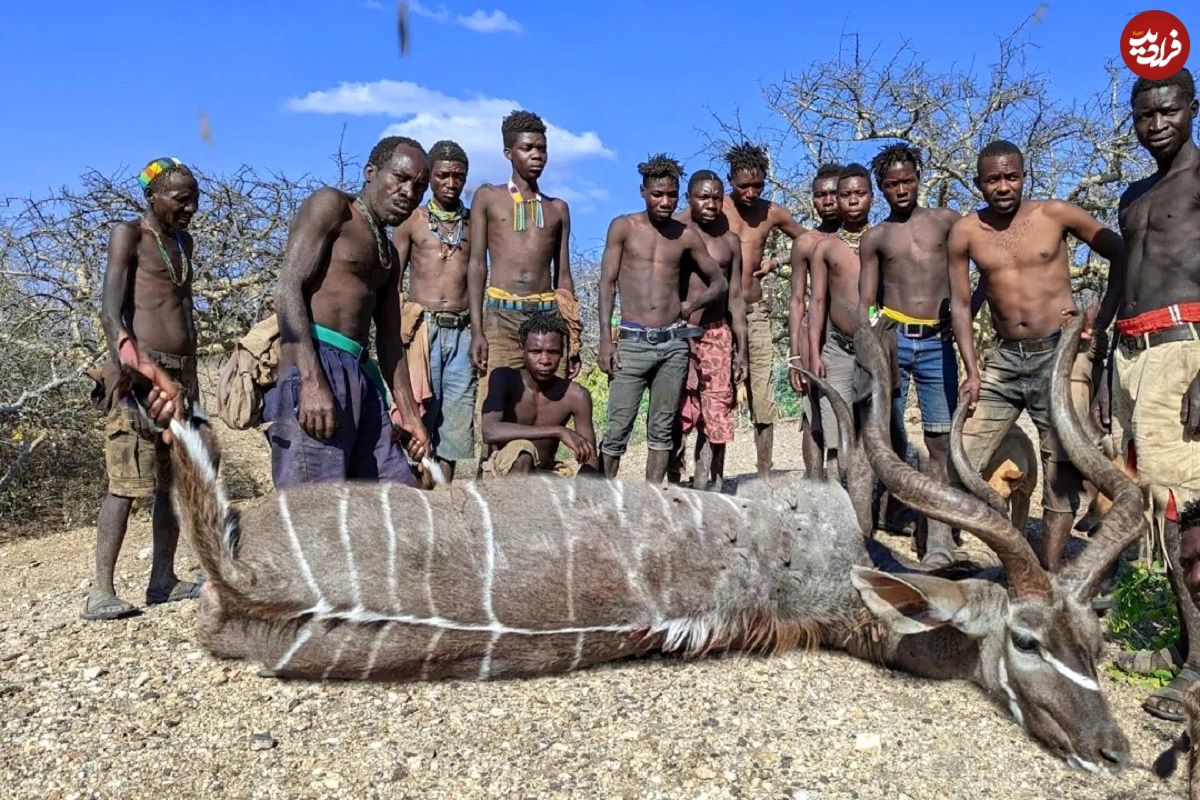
(250, 370)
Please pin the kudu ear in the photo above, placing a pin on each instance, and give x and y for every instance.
(912, 604)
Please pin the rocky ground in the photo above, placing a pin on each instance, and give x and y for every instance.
(135, 709)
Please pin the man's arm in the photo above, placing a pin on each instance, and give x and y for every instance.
(868, 274)
(1107, 243)
(504, 391)
(819, 273)
(610, 267)
(562, 257)
(957, 251)
(586, 452)
(394, 365)
(122, 257)
(779, 217)
(802, 250)
(708, 269)
(477, 277)
(310, 237)
(402, 239)
(737, 314)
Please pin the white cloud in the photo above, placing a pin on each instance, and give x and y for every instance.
(375, 5)
(440, 14)
(490, 22)
(428, 115)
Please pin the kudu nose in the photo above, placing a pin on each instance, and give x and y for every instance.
(1113, 749)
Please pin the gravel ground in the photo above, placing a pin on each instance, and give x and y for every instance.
(136, 709)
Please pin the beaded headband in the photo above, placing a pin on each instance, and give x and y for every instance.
(156, 168)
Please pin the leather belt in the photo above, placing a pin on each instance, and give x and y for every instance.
(659, 335)
(1029, 346)
(1184, 332)
(917, 330)
(449, 319)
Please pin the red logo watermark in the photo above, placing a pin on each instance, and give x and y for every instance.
(1155, 45)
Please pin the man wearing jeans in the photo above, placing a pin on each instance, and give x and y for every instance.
(642, 260)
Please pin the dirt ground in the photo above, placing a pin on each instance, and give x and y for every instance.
(135, 708)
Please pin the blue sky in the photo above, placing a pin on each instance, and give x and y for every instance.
(108, 86)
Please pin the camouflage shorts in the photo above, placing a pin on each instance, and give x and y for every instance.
(138, 467)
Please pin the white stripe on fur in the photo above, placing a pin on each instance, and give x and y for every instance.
(344, 535)
(1074, 677)
(430, 534)
(375, 645)
(321, 605)
(303, 633)
(489, 544)
(385, 508)
(198, 454)
(1013, 706)
(430, 649)
(485, 664)
(578, 651)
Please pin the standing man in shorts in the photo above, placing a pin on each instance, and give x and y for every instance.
(1156, 365)
(1020, 249)
(833, 313)
(718, 356)
(643, 260)
(434, 244)
(329, 411)
(147, 314)
(825, 207)
(907, 254)
(753, 219)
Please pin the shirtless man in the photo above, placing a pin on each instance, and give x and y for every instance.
(329, 411)
(907, 252)
(825, 207)
(433, 243)
(715, 366)
(147, 313)
(527, 411)
(753, 219)
(1020, 250)
(520, 250)
(833, 270)
(1156, 365)
(643, 258)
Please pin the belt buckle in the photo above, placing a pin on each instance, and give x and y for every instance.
(912, 330)
(657, 335)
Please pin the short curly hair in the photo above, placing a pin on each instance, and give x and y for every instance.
(518, 122)
(545, 322)
(446, 150)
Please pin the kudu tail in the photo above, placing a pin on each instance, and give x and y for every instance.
(200, 504)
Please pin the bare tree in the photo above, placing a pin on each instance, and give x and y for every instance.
(1083, 151)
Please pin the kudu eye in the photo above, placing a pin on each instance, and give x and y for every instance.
(1026, 644)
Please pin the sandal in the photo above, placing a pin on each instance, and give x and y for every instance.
(182, 590)
(1167, 702)
(109, 607)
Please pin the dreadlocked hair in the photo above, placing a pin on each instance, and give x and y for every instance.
(702, 175)
(1189, 517)
(519, 122)
(382, 152)
(1183, 79)
(446, 150)
(660, 165)
(894, 154)
(545, 322)
(746, 157)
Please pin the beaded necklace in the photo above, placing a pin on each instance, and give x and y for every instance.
(178, 277)
(385, 253)
(439, 216)
(852, 238)
(520, 219)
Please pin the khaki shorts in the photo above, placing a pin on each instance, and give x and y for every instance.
(138, 467)
(760, 350)
(1148, 390)
(500, 463)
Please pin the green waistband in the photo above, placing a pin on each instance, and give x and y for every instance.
(347, 345)
(339, 340)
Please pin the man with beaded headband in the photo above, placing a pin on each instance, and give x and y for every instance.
(329, 410)
(434, 246)
(520, 254)
(147, 317)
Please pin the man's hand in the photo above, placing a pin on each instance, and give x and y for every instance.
(1189, 413)
(479, 352)
(685, 310)
(796, 378)
(573, 366)
(1089, 319)
(765, 267)
(610, 359)
(969, 391)
(412, 435)
(316, 410)
(817, 366)
(577, 444)
(1101, 409)
(741, 368)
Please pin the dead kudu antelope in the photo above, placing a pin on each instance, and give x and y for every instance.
(537, 575)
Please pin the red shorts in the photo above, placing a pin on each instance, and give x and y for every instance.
(708, 391)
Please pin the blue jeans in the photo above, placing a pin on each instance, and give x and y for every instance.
(930, 364)
(450, 413)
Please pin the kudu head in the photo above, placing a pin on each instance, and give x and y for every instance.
(1037, 642)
